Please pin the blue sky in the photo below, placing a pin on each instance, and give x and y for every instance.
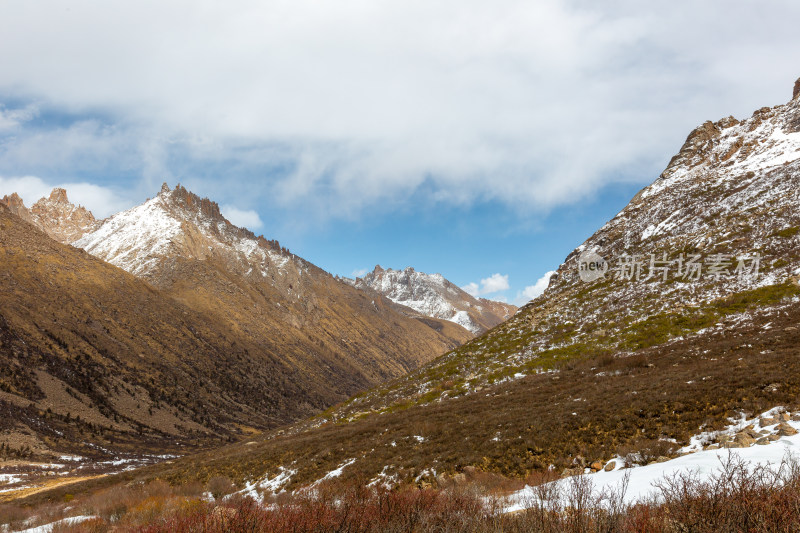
(482, 140)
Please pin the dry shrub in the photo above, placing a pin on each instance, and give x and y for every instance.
(354, 508)
(741, 497)
(220, 486)
(112, 503)
(13, 515)
(95, 525)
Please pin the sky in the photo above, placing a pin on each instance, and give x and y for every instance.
(480, 140)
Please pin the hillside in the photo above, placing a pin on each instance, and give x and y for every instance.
(687, 318)
(436, 297)
(204, 350)
(182, 245)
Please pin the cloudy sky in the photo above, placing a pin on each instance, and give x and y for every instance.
(482, 140)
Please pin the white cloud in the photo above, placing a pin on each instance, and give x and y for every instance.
(359, 272)
(244, 218)
(532, 291)
(532, 104)
(494, 283)
(101, 201)
(12, 118)
(472, 289)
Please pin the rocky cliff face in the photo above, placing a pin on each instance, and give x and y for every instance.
(55, 215)
(434, 296)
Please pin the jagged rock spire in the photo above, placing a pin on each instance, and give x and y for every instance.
(59, 195)
(796, 89)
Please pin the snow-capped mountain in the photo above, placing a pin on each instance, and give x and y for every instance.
(434, 296)
(177, 223)
(55, 215)
(253, 335)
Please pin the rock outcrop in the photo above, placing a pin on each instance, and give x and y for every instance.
(55, 215)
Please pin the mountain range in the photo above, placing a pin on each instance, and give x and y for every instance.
(676, 317)
(178, 326)
(432, 295)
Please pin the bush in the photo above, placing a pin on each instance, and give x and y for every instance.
(220, 486)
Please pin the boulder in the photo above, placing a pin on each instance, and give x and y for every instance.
(744, 439)
(768, 421)
(596, 466)
(785, 430)
(762, 441)
(750, 432)
(611, 465)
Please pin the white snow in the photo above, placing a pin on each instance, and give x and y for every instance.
(703, 464)
(337, 471)
(463, 319)
(125, 239)
(273, 485)
(7, 479)
(47, 528)
(429, 294)
(138, 239)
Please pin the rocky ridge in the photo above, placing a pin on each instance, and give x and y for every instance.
(55, 215)
(434, 296)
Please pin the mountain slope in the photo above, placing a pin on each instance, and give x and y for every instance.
(630, 356)
(434, 296)
(182, 245)
(206, 350)
(93, 354)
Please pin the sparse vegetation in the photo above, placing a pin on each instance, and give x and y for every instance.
(738, 497)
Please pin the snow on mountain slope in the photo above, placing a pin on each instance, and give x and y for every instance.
(778, 443)
(175, 223)
(715, 235)
(434, 296)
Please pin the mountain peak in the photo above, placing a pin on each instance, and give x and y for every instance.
(434, 296)
(796, 91)
(54, 215)
(178, 224)
(14, 202)
(59, 196)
